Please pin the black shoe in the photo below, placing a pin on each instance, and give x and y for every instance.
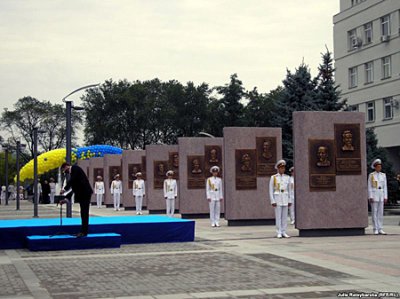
(80, 235)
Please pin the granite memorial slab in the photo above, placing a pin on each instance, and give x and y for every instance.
(96, 168)
(161, 158)
(132, 163)
(322, 210)
(249, 157)
(112, 167)
(196, 156)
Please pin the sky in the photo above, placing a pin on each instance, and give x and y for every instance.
(49, 48)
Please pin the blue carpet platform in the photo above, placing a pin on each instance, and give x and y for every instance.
(68, 242)
(133, 229)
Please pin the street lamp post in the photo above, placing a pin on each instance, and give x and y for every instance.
(35, 172)
(206, 134)
(69, 106)
(35, 175)
(19, 147)
(6, 170)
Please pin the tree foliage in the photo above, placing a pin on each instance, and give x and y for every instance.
(328, 94)
(29, 113)
(133, 115)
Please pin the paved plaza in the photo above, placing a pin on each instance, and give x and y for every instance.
(226, 262)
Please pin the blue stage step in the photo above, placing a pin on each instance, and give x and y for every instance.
(133, 229)
(68, 242)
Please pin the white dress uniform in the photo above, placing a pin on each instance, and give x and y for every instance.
(214, 192)
(11, 191)
(3, 195)
(170, 193)
(116, 191)
(377, 191)
(279, 195)
(52, 191)
(99, 191)
(138, 191)
(39, 190)
(291, 196)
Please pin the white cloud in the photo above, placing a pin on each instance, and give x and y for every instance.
(50, 47)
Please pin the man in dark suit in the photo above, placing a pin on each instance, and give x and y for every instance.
(80, 186)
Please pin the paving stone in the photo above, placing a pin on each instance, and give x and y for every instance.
(11, 283)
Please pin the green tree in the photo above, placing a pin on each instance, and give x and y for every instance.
(190, 109)
(29, 113)
(230, 109)
(328, 94)
(105, 108)
(299, 94)
(133, 115)
(260, 110)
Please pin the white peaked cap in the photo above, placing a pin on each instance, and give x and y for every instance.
(280, 162)
(139, 173)
(214, 168)
(169, 172)
(376, 161)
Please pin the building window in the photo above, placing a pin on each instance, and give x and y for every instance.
(352, 77)
(368, 33)
(352, 39)
(369, 72)
(387, 108)
(353, 108)
(385, 25)
(355, 2)
(386, 67)
(371, 111)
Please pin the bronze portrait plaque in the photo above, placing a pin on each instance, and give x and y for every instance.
(245, 169)
(266, 155)
(98, 172)
(348, 152)
(160, 171)
(132, 170)
(173, 163)
(213, 157)
(195, 172)
(322, 165)
(113, 171)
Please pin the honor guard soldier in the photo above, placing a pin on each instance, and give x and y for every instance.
(291, 194)
(138, 192)
(214, 195)
(170, 193)
(279, 196)
(378, 195)
(116, 191)
(99, 191)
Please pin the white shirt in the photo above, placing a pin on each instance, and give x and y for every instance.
(52, 187)
(170, 189)
(291, 188)
(99, 188)
(279, 189)
(214, 188)
(377, 186)
(138, 188)
(116, 187)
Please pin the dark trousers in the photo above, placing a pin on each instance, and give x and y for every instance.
(85, 204)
